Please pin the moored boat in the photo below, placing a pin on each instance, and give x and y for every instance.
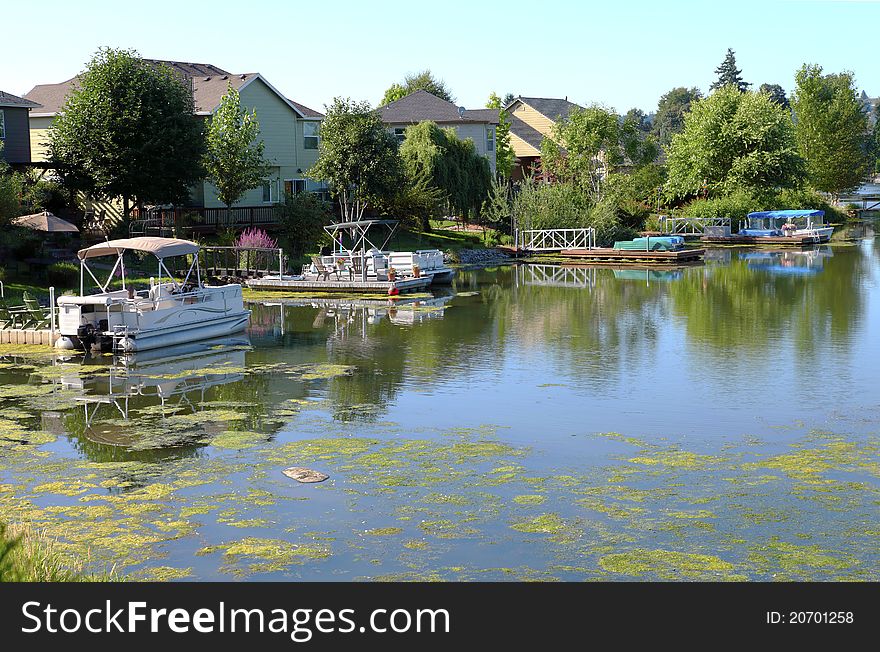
(168, 313)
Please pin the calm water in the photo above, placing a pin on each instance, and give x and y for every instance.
(531, 422)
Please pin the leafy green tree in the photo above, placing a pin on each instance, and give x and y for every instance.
(422, 81)
(875, 139)
(357, 157)
(127, 130)
(776, 93)
(234, 158)
(673, 106)
(301, 222)
(638, 119)
(591, 143)
(729, 74)
(497, 210)
(734, 140)
(10, 191)
(504, 156)
(452, 165)
(831, 129)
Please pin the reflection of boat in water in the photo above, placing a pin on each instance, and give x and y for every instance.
(168, 313)
(788, 262)
(647, 274)
(154, 387)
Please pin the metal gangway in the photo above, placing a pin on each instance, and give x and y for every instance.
(555, 239)
(556, 276)
(690, 225)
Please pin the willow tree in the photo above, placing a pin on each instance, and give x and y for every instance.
(450, 164)
(128, 130)
(357, 157)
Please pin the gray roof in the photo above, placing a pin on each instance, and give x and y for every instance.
(8, 99)
(209, 85)
(528, 133)
(550, 107)
(419, 106)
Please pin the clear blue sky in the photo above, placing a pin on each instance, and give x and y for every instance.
(618, 53)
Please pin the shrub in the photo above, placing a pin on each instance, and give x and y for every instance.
(63, 275)
(256, 238)
(302, 219)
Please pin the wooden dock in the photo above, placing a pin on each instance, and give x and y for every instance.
(27, 336)
(402, 286)
(769, 240)
(627, 257)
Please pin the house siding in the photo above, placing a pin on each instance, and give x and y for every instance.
(282, 132)
(39, 138)
(17, 142)
(532, 118)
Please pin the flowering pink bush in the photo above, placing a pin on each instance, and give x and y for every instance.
(254, 238)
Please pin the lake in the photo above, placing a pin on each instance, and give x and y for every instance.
(718, 422)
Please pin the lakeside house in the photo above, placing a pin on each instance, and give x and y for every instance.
(532, 120)
(419, 106)
(289, 130)
(15, 129)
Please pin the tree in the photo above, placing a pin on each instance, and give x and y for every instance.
(450, 164)
(669, 119)
(508, 98)
(234, 157)
(638, 119)
(776, 93)
(875, 139)
(10, 191)
(734, 140)
(590, 143)
(302, 219)
(729, 74)
(831, 129)
(128, 130)
(422, 81)
(357, 157)
(504, 156)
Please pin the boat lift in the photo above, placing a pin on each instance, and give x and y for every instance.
(357, 232)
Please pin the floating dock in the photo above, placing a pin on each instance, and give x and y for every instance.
(627, 257)
(402, 285)
(769, 240)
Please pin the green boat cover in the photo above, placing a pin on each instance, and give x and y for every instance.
(660, 243)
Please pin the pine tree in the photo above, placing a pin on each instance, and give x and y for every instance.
(729, 74)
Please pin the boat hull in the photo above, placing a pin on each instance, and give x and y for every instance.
(147, 340)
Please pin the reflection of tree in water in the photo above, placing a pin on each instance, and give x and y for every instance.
(733, 307)
(589, 331)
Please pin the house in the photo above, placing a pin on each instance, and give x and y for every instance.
(288, 129)
(419, 106)
(532, 120)
(14, 128)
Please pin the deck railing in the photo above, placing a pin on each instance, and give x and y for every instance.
(242, 262)
(163, 221)
(555, 239)
(690, 225)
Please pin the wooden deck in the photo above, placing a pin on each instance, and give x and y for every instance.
(607, 256)
(771, 240)
(312, 285)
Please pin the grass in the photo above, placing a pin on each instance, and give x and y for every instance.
(27, 555)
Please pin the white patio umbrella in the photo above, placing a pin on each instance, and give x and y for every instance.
(45, 221)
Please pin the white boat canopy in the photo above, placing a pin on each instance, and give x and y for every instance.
(159, 247)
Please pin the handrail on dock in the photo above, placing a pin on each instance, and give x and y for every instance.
(556, 239)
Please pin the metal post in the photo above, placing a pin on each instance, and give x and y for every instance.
(52, 314)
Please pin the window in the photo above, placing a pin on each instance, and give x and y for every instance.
(267, 192)
(294, 186)
(2, 125)
(400, 134)
(490, 139)
(310, 135)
